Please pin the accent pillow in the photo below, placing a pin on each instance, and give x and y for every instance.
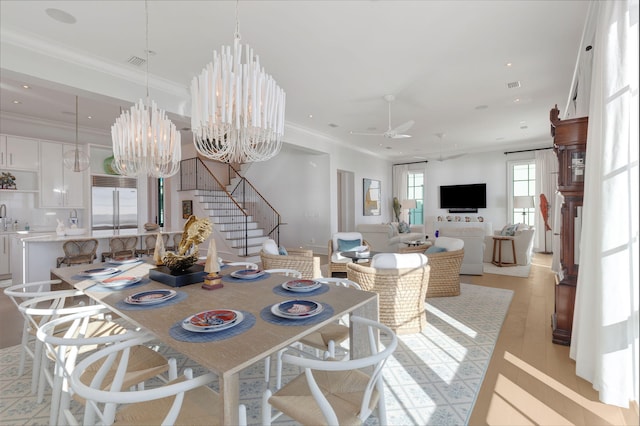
(270, 247)
(347, 245)
(403, 228)
(282, 251)
(435, 249)
(509, 230)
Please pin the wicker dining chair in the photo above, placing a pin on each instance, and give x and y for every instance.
(121, 247)
(401, 281)
(78, 251)
(150, 244)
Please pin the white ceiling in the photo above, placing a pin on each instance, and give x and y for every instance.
(445, 61)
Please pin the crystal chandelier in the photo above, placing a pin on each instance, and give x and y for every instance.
(237, 109)
(76, 160)
(145, 141)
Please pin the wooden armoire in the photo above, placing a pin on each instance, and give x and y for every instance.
(570, 145)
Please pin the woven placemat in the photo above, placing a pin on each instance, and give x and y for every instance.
(266, 315)
(230, 279)
(280, 291)
(177, 332)
(179, 297)
(100, 288)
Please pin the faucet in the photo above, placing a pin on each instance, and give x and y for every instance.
(73, 217)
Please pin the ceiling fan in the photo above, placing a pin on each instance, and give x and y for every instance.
(448, 157)
(391, 133)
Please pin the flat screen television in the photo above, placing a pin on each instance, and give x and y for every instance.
(463, 197)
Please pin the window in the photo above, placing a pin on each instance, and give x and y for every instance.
(522, 192)
(415, 191)
(161, 202)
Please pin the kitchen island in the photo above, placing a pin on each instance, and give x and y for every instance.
(34, 254)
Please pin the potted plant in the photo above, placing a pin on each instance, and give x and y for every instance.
(7, 181)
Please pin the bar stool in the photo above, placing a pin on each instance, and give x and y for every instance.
(497, 241)
(78, 251)
(121, 247)
(150, 244)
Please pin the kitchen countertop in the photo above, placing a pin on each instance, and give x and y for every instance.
(52, 237)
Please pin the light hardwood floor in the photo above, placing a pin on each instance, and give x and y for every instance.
(529, 380)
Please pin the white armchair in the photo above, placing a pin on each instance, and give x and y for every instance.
(523, 240)
(385, 237)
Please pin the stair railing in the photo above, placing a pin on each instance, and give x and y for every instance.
(257, 206)
(242, 206)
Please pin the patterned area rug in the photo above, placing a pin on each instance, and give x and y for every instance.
(433, 378)
(521, 271)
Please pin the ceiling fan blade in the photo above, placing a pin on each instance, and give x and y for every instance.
(400, 136)
(404, 127)
(366, 134)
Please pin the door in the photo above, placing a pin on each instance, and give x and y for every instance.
(127, 208)
(103, 207)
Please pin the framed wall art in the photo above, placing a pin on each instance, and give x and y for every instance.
(371, 197)
(187, 209)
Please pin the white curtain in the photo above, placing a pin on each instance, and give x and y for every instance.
(605, 326)
(400, 172)
(547, 184)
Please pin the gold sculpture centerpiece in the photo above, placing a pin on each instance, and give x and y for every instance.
(195, 232)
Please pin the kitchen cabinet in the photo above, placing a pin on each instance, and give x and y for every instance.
(18, 153)
(570, 146)
(59, 186)
(5, 250)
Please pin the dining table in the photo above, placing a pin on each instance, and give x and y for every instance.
(226, 353)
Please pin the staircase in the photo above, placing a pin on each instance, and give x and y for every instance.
(240, 214)
(231, 224)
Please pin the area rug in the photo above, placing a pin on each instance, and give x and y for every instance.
(433, 378)
(514, 271)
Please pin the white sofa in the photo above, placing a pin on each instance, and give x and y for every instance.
(473, 247)
(523, 239)
(385, 238)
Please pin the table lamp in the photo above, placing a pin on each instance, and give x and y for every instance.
(409, 204)
(523, 202)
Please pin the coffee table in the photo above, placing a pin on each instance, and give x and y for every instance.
(355, 256)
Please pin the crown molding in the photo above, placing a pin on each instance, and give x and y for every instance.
(86, 60)
(26, 120)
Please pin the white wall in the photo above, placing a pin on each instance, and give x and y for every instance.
(489, 168)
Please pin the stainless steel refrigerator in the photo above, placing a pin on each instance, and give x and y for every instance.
(114, 202)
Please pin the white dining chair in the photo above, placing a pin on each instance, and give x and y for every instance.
(286, 272)
(334, 392)
(186, 400)
(325, 339)
(84, 332)
(247, 265)
(39, 310)
(17, 294)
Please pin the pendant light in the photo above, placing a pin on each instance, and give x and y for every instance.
(237, 109)
(76, 160)
(145, 141)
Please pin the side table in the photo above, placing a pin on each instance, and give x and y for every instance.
(497, 242)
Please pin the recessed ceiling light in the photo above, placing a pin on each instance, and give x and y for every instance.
(508, 64)
(26, 86)
(310, 115)
(89, 117)
(61, 16)
(17, 102)
(516, 100)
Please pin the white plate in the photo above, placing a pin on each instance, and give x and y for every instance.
(150, 297)
(247, 274)
(186, 324)
(125, 261)
(97, 272)
(301, 286)
(120, 281)
(280, 309)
